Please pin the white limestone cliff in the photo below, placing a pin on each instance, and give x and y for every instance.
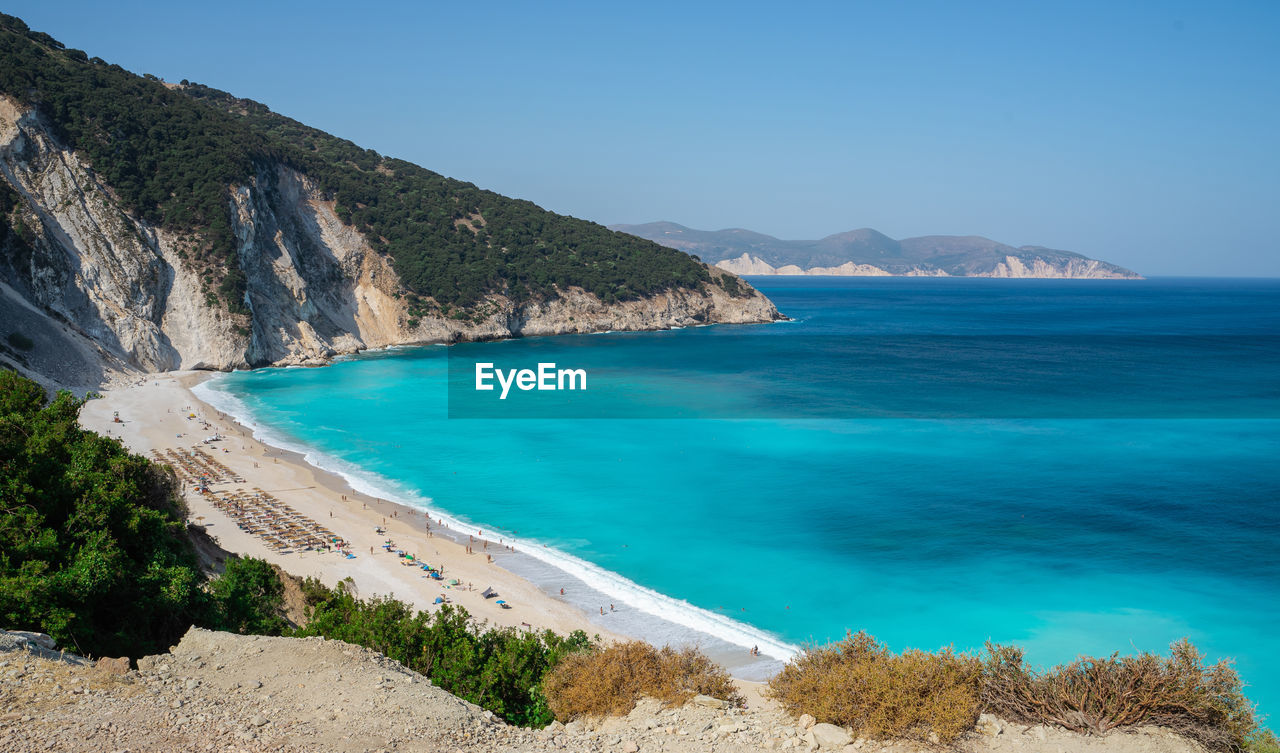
(119, 295)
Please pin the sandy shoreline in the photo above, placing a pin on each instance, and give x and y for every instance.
(154, 413)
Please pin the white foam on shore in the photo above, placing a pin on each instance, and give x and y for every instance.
(616, 586)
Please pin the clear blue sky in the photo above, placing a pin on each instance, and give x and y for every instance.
(1147, 134)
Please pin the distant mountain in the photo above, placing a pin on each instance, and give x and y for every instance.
(867, 252)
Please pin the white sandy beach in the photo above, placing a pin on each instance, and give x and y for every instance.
(154, 415)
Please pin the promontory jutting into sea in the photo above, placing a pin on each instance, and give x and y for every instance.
(549, 484)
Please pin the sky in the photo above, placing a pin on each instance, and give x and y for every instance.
(1145, 134)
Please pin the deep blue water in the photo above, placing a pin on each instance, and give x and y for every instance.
(1054, 524)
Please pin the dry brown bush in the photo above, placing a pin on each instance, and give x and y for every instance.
(610, 680)
(1093, 695)
(860, 684)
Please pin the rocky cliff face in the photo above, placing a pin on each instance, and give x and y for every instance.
(104, 292)
(1034, 266)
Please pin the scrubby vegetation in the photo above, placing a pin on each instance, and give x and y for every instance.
(1093, 695)
(610, 680)
(172, 154)
(860, 684)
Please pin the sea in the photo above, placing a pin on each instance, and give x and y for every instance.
(1072, 466)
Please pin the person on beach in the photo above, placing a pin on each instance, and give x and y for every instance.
(562, 592)
(602, 611)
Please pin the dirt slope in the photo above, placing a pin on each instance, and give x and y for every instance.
(227, 693)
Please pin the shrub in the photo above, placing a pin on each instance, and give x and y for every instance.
(500, 669)
(1092, 695)
(93, 549)
(858, 683)
(248, 598)
(610, 680)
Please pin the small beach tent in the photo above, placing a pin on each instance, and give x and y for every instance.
(488, 592)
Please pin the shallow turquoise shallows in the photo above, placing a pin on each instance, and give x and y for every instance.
(1095, 519)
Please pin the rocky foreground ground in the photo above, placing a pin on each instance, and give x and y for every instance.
(229, 693)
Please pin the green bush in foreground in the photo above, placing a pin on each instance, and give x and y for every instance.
(248, 598)
(500, 669)
(93, 544)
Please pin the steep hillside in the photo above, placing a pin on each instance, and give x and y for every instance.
(149, 227)
(867, 252)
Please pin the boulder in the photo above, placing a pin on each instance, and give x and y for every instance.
(830, 737)
(39, 639)
(109, 666)
(709, 702)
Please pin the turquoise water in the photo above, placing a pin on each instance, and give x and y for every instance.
(1053, 524)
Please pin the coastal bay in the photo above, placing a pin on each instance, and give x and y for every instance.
(1065, 535)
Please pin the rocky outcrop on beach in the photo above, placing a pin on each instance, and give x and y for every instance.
(223, 692)
(102, 292)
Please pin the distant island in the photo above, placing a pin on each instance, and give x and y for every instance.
(869, 253)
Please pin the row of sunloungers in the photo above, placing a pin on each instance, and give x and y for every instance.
(283, 528)
(195, 464)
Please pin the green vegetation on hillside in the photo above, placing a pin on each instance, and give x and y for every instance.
(94, 552)
(15, 236)
(93, 548)
(172, 154)
(500, 669)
